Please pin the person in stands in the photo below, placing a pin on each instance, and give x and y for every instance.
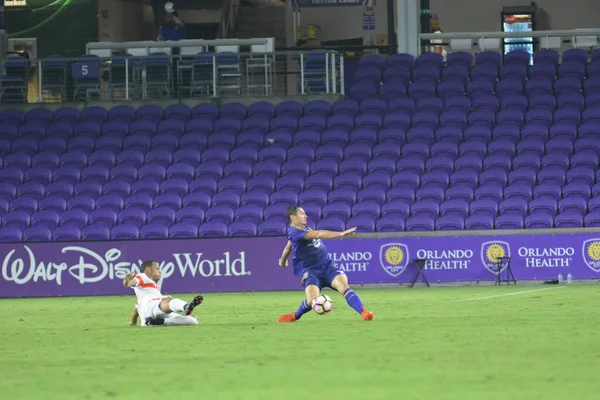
(172, 27)
(437, 43)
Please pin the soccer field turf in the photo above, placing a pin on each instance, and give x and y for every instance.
(423, 344)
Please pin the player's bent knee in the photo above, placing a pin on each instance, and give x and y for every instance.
(164, 304)
(340, 283)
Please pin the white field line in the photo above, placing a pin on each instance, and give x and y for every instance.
(510, 294)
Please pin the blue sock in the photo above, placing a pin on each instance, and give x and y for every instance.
(353, 300)
(303, 309)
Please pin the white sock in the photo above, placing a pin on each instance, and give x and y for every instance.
(177, 305)
(180, 320)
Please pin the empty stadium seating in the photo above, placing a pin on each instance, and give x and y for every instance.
(419, 145)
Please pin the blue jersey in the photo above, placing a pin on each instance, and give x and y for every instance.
(309, 254)
(170, 33)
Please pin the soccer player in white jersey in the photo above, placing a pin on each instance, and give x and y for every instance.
(152, 306)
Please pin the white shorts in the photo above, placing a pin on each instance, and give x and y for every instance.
(151, 309)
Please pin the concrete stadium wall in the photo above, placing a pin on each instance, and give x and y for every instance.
(250, 264)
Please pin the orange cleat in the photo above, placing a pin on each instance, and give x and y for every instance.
(367, 315)
(287, 318)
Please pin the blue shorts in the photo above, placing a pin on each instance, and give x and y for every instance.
(321, 277)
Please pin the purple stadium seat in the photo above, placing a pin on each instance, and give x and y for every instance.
(140, 128)
(421, 89)
(77, 218)
(338, 211)
(190, 215)
(258, 199)
(464, 178)
(68, 115)
(390, 224)
(161, 216)
(543, 205)
(150, 112)
(331, 224)
(425, 208)
(460, 193)
(95, 232)
(276, 212)
(4, 205)
(485, 119)
(343, 196)
(420, 224)
(94, 114)
(37, 234)
(577, 190)
(55, 145)
(449, 223)
(125, 232)
(457, 208)
(582, 159)
(396, 209)
(122, 113)
(250, 213)
(66, 234)
(363, 225)
(479, 223)
(154, 231)
(592, 220)
(348, 181)
(243, 228)
(289, 109)
(24, 204)
(103, 217)
(539, 221)
(575, 205)
(514, 205)
(133, 216)
(16, 219)
(177, 111)
(548, 191)
(8, 191)
(568, 220)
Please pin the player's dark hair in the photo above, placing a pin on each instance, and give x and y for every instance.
(292, 210)
(147, 264)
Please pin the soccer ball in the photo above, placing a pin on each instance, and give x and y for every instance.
(322, 304)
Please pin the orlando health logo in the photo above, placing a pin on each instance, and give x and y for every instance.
(591, 254)
(492, 252)
(394, 258)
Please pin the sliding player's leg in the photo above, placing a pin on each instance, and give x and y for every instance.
(169, 304)
(339, 282)
(180, 320)
(312, 288)
(151, 313)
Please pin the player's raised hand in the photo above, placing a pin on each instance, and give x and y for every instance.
(349, 232)
(130, 276)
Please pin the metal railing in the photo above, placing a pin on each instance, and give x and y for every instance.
(185, 47)
(159, 76)
(559, 40)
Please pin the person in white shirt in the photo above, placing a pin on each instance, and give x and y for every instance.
(437, 43)
(154, 308)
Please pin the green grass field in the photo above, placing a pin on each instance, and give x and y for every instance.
(423, 344)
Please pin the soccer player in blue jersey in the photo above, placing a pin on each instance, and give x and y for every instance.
(313, 264)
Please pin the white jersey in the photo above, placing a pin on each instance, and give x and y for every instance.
(146, 290)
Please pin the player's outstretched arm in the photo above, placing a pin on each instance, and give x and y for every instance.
(283, 261)
(324, 235)
(129, 280)
(134, 317)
